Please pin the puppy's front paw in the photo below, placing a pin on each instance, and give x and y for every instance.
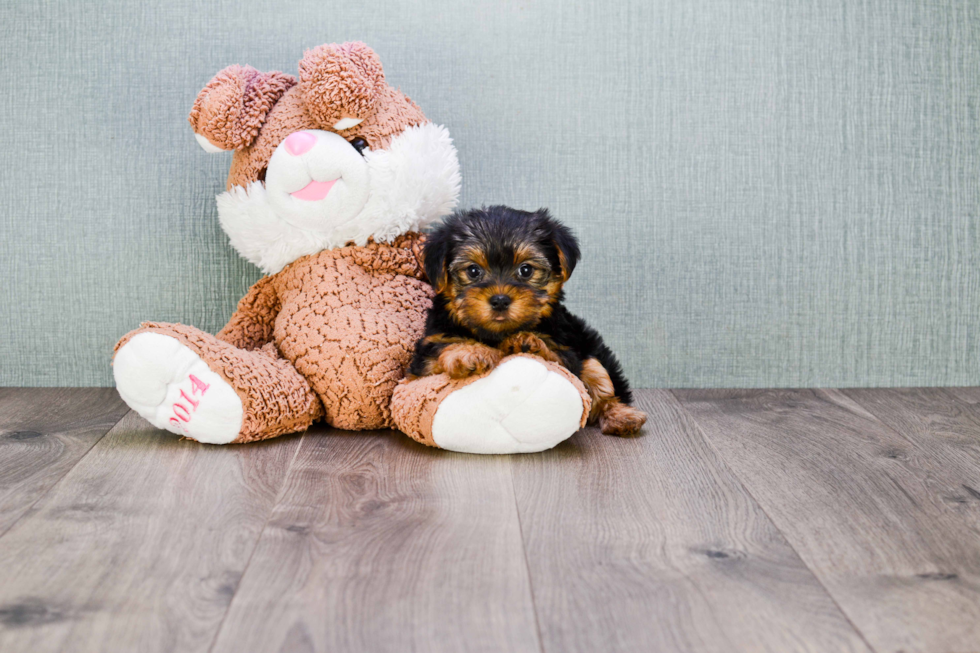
(465, 359)
(528, 343)
(620, 419)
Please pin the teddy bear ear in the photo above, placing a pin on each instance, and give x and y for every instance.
(231, 109)
(341, 83)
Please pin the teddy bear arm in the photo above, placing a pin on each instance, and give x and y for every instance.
(252, 323)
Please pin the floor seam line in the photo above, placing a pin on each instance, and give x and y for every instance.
(68, 471)
(527, 565)
(258, 540)
(874, 413)
(912, 441)
(789, 543)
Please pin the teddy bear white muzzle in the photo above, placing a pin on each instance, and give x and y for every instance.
(320, 192)
(316, 179)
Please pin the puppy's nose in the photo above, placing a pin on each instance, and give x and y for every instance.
(300, 142)
(500, 302)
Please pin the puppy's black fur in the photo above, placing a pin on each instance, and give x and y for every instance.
(525, 257)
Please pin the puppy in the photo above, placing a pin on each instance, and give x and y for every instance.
(498, 273)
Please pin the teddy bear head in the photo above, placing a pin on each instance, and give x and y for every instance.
(337, 157)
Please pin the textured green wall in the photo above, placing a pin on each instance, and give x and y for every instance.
(778, 193)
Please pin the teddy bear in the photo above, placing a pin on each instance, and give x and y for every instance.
(334, 176)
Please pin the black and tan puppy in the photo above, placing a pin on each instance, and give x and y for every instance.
(498, 273)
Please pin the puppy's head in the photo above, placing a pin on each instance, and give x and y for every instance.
(498, 269)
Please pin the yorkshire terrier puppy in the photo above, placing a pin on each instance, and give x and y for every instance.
(498, 274)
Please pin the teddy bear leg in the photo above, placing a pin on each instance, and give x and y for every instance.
(524, 405)
(190, 383)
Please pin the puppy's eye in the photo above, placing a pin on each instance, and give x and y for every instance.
(359, 144)
(525, 271)
(474, 272)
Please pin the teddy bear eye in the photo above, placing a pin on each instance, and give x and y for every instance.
(359, 144)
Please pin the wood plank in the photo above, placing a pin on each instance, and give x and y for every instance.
(381, 544)
(43, 433)
(651, 544)
(969, 396)
(861, 508)
(942, 427)
(140, 546)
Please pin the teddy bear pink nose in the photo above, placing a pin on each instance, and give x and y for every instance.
(299, 142)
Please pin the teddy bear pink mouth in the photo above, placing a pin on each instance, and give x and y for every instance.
(315, 190)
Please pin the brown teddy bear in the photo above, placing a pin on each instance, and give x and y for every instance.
(332, 178)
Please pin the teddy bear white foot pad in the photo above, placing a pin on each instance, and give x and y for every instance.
(520, 407)
(169, 385)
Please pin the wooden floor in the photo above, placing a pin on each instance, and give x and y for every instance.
(746, 520)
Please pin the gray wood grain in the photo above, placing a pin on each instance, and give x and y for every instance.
(43, 433)
(140, 547)
(860, 504)
(380, 544)
(699, 535)
(942, 428)
(651, 544)
(969, 396)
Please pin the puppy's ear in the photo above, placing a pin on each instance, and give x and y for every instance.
(435, 256)
(563, 240)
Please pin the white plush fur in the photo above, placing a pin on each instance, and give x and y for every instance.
(207, 145)
(520, 407)
(152, 369)
(330, 158)
(347, 123)
(412, 183)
